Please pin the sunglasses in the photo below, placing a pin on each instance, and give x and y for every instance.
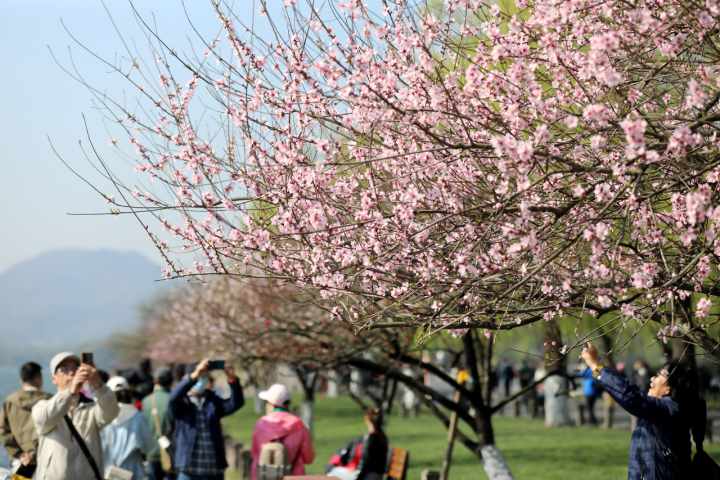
(67, 369)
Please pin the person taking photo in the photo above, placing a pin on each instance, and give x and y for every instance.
(660, 448)
(69, 423)
(197, 411)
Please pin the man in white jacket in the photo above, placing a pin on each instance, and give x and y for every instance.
(59, 455)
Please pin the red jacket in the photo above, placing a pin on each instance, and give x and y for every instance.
(296, 438)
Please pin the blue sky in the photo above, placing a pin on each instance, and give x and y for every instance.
(40, 102)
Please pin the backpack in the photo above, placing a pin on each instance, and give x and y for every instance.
(704, 468)
(274, 462)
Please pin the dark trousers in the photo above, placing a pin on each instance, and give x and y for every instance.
(185, 476)
(590, 407)
(155, 472)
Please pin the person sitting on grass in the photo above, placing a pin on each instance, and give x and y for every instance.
(365, 457)
(667, 413)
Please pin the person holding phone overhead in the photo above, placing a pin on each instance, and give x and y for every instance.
(671, 408)
(197, 411)
(69, 423)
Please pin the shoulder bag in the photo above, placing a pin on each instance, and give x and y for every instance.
(114, 472)
(84, 448)
(667, 454)
(163, 441)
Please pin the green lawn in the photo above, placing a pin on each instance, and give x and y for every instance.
(532, 451)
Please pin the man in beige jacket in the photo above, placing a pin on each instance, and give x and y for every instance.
(59, 455)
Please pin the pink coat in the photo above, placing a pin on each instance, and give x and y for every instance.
(276, 425)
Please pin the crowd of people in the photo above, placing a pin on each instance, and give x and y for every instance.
(166, 424)
(158, 425)
(507, 377)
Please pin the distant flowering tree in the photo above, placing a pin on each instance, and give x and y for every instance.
(260, 326)
(257, 325)
(445, 165)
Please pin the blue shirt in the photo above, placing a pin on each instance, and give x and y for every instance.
(591, 386)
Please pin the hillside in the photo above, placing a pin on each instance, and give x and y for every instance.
(66, 298)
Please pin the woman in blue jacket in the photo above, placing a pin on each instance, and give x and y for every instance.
(667, 413)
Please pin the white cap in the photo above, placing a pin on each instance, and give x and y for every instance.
(277, 395)
(118, 383)
(61, 357)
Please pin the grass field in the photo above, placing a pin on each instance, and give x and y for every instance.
(532, 451)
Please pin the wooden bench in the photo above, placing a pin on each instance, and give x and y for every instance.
(309, 477)
(397, 464)
(396, 467)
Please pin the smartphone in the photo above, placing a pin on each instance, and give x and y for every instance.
(216, 365)
(87, 358)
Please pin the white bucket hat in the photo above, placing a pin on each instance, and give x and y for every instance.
(277, 395)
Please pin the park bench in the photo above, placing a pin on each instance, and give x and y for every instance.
(397, 464)
(396, 469)
(309, 477)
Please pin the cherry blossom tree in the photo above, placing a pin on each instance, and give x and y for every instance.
(261, 326)
(442, 166)
(445, 167)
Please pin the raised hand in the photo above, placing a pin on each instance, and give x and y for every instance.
(589, 355)
(201, 370)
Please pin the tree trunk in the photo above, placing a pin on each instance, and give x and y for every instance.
(356, 380)
(333, 389)
(683, 349)
(259, 403)
(389, 391)
(307, 409)
(307, 414)
(478, 355)
(557, 392)
(557, 408)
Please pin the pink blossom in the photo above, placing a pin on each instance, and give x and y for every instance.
(628, 309)
(604, 301)
(702, 310)
(597, 113)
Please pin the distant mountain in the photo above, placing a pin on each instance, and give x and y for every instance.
(66, 298)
